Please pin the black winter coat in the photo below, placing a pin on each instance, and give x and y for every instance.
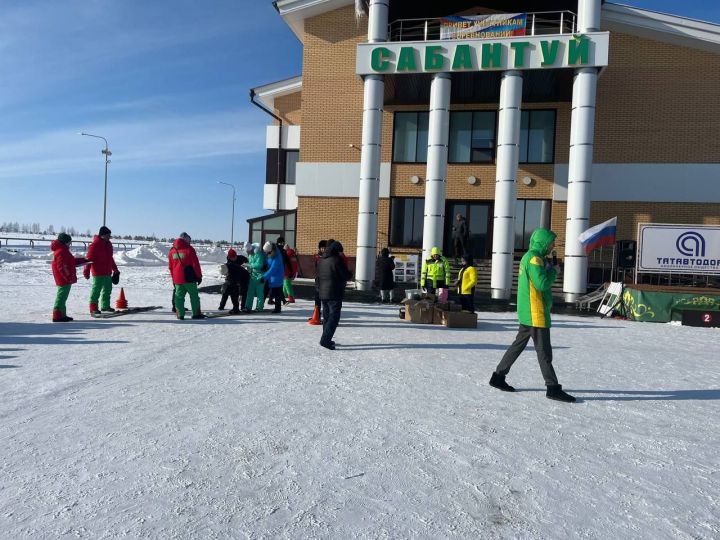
(384, 277)
(460, 230)
(332, 274)
(237, 273)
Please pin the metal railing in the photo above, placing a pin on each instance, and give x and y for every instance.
(18, 242)
(538, 23)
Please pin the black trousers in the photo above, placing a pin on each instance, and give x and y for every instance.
(459, 245)
(232, 290)
(543, 348)
(331, 318)
(276, 295)
(467, 301)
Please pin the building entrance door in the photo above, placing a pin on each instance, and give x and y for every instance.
(478, 216)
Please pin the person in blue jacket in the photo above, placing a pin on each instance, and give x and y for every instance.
(274, 275)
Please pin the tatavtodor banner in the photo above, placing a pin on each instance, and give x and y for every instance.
(682, 249)
(483, 26)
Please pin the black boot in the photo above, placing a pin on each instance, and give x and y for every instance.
(498, 381)
(555, 391)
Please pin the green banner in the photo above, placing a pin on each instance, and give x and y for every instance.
(650, 306)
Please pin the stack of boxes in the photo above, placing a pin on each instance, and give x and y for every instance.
(428, 311)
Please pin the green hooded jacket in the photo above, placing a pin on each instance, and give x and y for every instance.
(535, 280)
(256, 261)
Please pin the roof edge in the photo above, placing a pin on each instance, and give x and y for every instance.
(660, 26)
(268, 92)
(294, 12)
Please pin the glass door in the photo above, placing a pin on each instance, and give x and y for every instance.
(478, 219)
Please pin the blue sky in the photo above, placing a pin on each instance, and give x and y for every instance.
(166, 82)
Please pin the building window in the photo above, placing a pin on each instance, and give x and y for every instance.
(537, 136)
(410, 137)
(269, 228)
(529, 215)
(283, 165)
(406, 221)
(291, 159)
(472, 137)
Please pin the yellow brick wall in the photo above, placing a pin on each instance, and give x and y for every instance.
(289, 108)
(657, 103)
(332, 93)
(321, 218)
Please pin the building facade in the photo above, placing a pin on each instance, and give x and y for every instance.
(610, 111)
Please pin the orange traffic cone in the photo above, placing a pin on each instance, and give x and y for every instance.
(315, 319)
(121, 303)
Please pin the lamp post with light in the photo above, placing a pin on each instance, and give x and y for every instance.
(107, 153)
(232, 224)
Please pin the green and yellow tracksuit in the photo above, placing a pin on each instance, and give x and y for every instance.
(535, 280)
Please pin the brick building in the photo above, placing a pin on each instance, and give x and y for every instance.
(610, 111)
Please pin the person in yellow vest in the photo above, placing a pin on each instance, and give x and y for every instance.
(465, 283)
(435, 272)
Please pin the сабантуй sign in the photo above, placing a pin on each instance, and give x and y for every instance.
(538, 52)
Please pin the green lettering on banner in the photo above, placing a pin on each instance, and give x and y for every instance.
(406, 59)
(433, 58)
(463, 57)
(518, 48)
(491, 54)
(578, 48)
(549, 51)
(379, 59)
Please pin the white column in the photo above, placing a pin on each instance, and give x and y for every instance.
(437, 158)
(508, 155)
(370, 155)
(582, 134)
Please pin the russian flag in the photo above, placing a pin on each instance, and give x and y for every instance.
(599, 235)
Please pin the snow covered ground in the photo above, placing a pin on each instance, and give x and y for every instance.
(147, 427)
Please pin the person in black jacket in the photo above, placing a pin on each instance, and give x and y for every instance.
(460, 236)
(384, 277)
(236, 281)
(332, 276)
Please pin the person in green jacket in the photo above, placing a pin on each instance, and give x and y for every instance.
(534, 300)
(256, 288)
(435, 272)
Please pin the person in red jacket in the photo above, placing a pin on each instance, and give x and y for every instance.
(186, 276)
(291, 269)
(104, 271)
(63, 268)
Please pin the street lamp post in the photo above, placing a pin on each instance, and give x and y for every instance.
(232, 224)
(107, 153)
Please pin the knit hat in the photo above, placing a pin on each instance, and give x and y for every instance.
(280, 240)
(64, 238)
(322, 244)
(185, 236)
(268, 247)
(103, 231)
(232, 253)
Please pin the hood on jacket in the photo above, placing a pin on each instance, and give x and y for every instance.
(57, 244)
(333, 249)
(98, 238)
(541, 239)
(179, 243)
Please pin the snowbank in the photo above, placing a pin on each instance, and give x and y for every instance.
(7, 256)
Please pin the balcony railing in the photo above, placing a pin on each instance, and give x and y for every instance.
(538, 23)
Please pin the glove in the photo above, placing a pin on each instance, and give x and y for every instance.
(115, 277)
(86, 271)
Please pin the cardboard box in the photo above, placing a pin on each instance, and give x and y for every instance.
(419, 311)
(454, 306)
(430, 297)
(455, 319)
(443, 306)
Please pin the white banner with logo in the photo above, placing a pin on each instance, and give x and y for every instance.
(681, 249)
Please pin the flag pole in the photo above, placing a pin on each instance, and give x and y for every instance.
(612, 263)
